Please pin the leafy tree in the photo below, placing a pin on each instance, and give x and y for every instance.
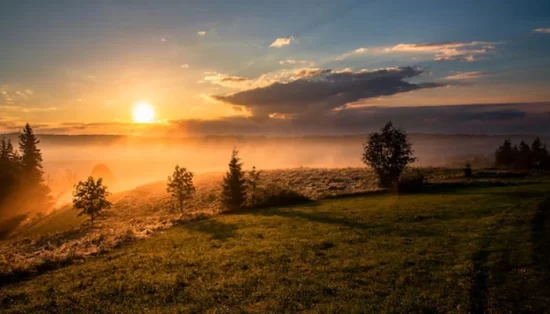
(90, 197)
(253, 186)
(388, 153)
(234, 184)
(180, 186)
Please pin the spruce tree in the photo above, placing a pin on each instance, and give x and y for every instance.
(234, 185)
(9, 176)
(32, 175)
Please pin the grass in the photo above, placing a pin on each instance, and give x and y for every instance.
(468, 248)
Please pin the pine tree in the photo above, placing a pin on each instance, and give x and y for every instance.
(9, 176)
(31, 156)
(32, 175)
(505, 155)
(234, 185)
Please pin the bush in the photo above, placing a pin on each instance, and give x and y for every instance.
(467, 170)
(275, 195)
(411, 181)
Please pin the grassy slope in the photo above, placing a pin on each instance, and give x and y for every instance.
(473, 249)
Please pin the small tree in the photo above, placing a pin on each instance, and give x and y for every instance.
(90, 197)
(467, 170)
(388, 153)
(505, 156)
(180, 186)
(234, 184)
(254, 177)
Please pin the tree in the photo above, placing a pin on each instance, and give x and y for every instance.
(180, 186)
(253, 186)
(523, 160)
(388, 153)
(9, 175)
(539, 154)
(32, 175)
(31, 156)
(505, 156)
(234, 184)
(90, 197)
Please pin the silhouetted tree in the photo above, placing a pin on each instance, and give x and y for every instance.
(180, 186)
(388, 153)
(31, 168)
(539, 154)
(253, 188)
(505, 156)
(9, 175)
(234, 184)
(90, 197)
(523, 160)
(467, 170)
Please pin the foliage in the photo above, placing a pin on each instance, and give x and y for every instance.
(275, 195)
(523, 157)
(388, 153)
(467, 170)
(253, 187)
(411, 181)
(234, 187)
(90, 197)
(180, 186)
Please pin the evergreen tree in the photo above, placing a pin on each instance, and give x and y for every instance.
(32, 175)
(31, 156)
(234, 185)
(180, 186)
(9, 176)
(539, 154)
(523, 160)
(505, 156)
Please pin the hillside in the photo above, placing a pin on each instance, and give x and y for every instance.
(470, 247)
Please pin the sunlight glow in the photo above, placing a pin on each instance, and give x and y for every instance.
(143, 113)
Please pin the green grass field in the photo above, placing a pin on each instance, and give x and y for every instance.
(460, 249)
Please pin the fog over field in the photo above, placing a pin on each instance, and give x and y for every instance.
(139, 160)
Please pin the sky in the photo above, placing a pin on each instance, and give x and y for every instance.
(275, 67)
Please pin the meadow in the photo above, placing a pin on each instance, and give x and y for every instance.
(458, 246)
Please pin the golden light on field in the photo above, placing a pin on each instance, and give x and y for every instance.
(143, 113)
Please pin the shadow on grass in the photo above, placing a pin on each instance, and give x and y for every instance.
(9, 225)
(218, 230)
(540, 237)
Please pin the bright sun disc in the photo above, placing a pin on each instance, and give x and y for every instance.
(143, 113)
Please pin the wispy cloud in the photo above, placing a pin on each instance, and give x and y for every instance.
(446, 51)
(201, 33)
(466, 75)
(294, 61)
(280, 42)
(542, 30)
(449, 51)
(348, 54)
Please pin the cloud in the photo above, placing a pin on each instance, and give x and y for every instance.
(294, 61)
(25, 109)
(511, 118)
(280, 42)
(226, 80)
(466, 75)
(449, 51)
(201, 33)
(357, 51)
(318, 91)
(446, 51)
(542, 30)
(184, 66)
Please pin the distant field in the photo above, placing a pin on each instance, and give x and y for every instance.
(464, 247)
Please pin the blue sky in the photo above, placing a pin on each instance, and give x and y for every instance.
(89, 62)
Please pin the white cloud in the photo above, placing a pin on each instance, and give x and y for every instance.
(450, 51)
(280, 42)
(201, 33)
(348, 54)
(542, 30)
(466, 75)
(294, 61)
(184, 66)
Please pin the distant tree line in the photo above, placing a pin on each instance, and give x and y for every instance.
(523, 157)
(22, 186)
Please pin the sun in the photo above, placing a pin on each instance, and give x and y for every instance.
(143, 113)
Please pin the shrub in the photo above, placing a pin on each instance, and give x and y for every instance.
(388, 153)
(411, 181)
(275, 195)
(467, 170)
